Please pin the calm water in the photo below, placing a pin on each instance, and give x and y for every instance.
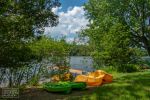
(82, 63)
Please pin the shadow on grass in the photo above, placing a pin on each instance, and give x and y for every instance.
(134, 86)
(40, 94)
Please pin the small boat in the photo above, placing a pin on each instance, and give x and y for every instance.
(64, 87)
(78, 85)
(57, 87)
(95, 78)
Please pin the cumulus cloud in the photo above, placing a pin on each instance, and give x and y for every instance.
(56, 9)
(70, 23)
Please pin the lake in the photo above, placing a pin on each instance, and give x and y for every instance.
(81, 62)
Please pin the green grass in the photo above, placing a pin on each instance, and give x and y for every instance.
(126, 86)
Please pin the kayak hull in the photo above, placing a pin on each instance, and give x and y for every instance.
(64, 87)
(54, 87)
(78, 85)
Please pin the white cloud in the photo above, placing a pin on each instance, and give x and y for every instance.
(70, 22)
(55, 10)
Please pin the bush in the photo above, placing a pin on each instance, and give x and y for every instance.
(122, 68)
(109, 69)
(146, 65)
(128, 68)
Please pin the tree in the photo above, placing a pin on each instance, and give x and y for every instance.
(79, 49)
(109, 33)
(49, 48)
(131, 13)
(20, 22)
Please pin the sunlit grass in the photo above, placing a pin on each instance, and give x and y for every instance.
(126, 86)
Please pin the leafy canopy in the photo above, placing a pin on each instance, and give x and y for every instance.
(110, 33)
(20, 22)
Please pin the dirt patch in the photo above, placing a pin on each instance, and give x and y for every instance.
(40, 94)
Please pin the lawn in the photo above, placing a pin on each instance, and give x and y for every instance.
(129, 86)
(126, 86)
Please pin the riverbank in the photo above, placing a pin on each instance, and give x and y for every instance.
(40, 94)
(125, 86)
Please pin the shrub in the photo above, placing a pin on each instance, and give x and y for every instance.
(128, 68)
(109, 69)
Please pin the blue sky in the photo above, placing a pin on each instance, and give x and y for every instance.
(71, 20)
(71, 3)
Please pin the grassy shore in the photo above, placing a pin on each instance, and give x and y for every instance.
(126, 86)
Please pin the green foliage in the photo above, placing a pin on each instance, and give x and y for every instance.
(22, 24)
(114, 48)
(132, 14)
(128, 68)
(80, 50)
(109, 69)
(22, 21)
(43, 52)
(47, 47)
(111, 34)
